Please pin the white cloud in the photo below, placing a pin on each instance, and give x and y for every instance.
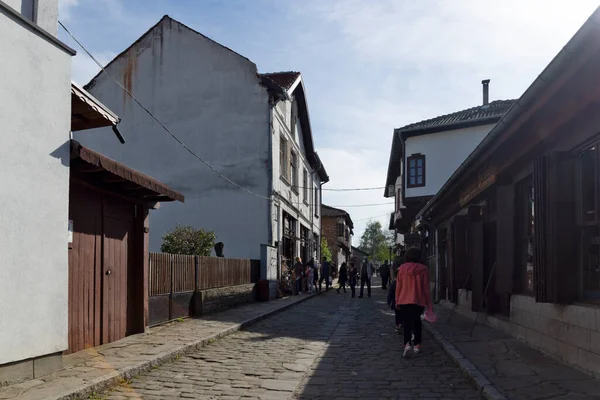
(65, 7)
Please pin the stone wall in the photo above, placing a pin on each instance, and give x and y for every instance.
(570, 333)
(218, 299)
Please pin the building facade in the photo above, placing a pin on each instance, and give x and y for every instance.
(516, 228)
(252, 128)
(338, 229)
(35, 80)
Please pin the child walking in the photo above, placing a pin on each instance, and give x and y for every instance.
(412, 297)
(310, 275)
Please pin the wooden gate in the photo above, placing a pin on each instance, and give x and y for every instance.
(101, 258)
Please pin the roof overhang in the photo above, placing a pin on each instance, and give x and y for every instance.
(578, 52)
(100, 171)
(87, 112)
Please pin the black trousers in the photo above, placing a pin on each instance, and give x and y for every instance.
(398, 317)
(342, 286)
(384, 281)
(411, 322)
(362, 286)
(326, 279)
(353, 289)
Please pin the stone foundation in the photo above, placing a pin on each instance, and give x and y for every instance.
(31, 368)
(570, 333)
(218, 299)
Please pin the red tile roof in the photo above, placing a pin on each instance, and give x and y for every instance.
(283, 79)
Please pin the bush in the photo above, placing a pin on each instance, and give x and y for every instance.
(187, 240)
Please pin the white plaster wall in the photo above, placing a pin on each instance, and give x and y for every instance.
(292, 201)
(444, 153)
(35, 105)
(209, 97)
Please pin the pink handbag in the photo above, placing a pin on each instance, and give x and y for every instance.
(430, 316)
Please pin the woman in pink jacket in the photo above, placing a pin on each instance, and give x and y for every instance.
(412, 297)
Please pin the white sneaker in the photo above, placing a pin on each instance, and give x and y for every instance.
(407, 348)
(417, 349)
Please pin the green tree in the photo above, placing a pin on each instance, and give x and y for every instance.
(375, 242)
(188, 240)
(325, 250)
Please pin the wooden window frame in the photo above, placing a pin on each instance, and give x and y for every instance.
(415, 158)
(305, 185)
(283, 158)
(294, 163)
(316, 201)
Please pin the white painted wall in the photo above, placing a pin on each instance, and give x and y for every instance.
(209, 97)
(290, 201)
(444, 153)
(35, 113)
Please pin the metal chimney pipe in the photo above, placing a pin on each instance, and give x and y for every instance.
(486, 91)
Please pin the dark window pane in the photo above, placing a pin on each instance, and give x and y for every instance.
(420, 180)
(590, 257)
(411, 163)
(419, 171)
(588, 188)
(412, 172)
(420, 162)
(412, 180)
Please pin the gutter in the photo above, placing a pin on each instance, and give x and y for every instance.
(535, 90)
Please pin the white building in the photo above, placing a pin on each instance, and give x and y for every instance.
(425, 154)
(253, 128)
(35, 115)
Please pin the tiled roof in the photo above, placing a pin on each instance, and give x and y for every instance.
(328, 211)
(283, 79)
(495, 109)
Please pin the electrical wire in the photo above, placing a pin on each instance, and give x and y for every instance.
(200, 158)
(160, 123)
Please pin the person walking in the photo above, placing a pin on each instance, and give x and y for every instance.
(352, 276)
(342, 277)
(310, 277)
(366, 272)
(412, 297)
(391, 302)
(384, 272)
(299, 271)
(325, 270)
(315, 268)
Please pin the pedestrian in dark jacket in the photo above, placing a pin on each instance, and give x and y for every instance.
(352, 277)
(384, 272)
(343, 277)
(299, 273)
(325, 270)
(391, 302)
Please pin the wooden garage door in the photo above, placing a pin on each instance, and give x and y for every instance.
(100, 260)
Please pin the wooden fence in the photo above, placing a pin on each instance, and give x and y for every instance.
(173, 278)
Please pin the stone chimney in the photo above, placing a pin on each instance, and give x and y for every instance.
(486, 91)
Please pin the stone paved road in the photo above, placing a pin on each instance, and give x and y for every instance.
(329, 347)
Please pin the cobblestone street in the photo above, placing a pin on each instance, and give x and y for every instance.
(328, 347)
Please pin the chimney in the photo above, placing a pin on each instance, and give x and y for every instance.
(486, 91)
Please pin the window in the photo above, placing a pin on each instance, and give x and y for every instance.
(305, 185)
(589, 222)
(340, 229)
(294, 170)
(283, 157)
(525, 242)
(416, 171)
(316, 202)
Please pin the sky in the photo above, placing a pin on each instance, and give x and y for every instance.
(369, 66)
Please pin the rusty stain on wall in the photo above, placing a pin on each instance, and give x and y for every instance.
(128, 73)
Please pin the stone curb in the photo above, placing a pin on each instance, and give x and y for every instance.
(483, 385)
(126, 373)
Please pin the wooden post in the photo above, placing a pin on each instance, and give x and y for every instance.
(196, 273)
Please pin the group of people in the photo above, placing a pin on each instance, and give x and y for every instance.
(310, 276)
(351, 275)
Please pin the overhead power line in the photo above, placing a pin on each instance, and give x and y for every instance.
(160, 123)
(197, 156)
